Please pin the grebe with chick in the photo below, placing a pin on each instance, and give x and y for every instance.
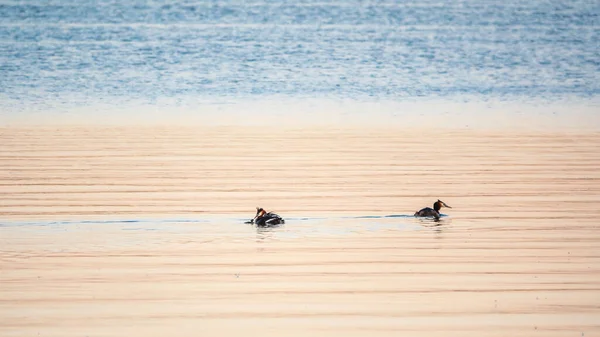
(432, 212)
(266, 219)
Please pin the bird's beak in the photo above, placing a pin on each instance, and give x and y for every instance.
(446, 205)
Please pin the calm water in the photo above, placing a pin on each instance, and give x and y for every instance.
(58, 55)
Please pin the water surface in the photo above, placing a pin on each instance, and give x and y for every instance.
(59, 56)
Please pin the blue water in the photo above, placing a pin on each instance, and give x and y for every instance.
(57, 55)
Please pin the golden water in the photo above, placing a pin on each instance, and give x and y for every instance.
(519, 254)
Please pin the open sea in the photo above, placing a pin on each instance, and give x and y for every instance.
(61, 56)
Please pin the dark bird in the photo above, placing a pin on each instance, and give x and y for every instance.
(266, 219)
(432, 212)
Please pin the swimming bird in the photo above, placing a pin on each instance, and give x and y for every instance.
(432, 212)
(266, 219)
